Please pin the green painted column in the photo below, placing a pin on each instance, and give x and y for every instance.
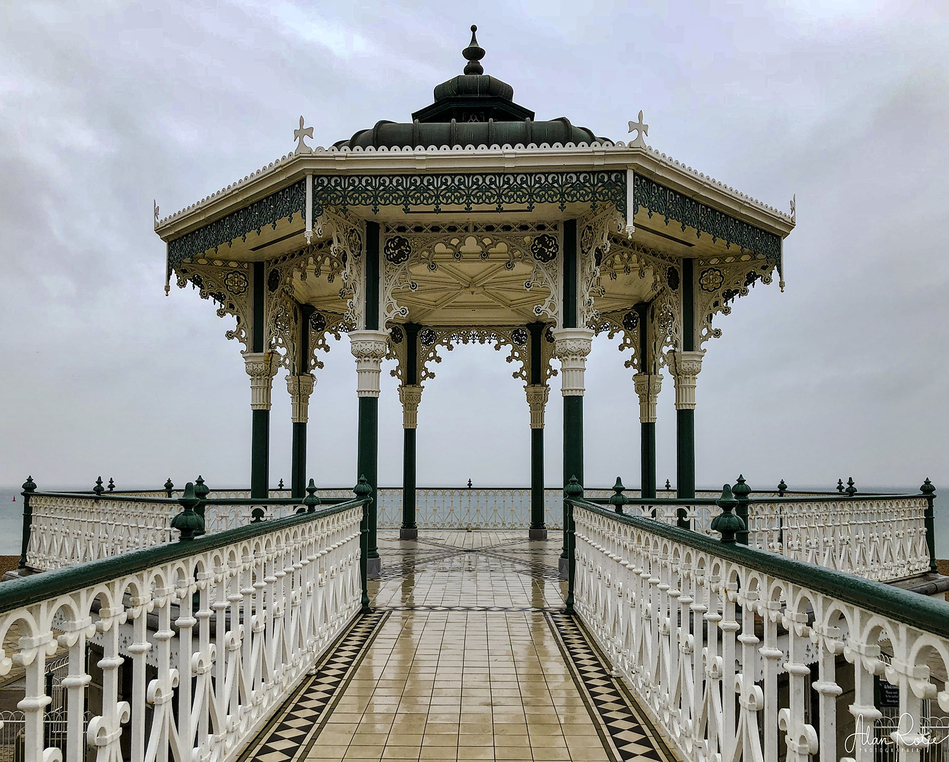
(369, 348)
(261, 370)
(647, 448)
(685, 367)
(367, 464)
(410, 395)
(300, 386)
(537, 395)
(29, 487)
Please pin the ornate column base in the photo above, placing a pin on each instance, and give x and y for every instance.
(408, 534)
(537, 534)
(374, 568)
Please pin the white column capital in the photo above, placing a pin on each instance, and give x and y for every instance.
(647, 387)
(369, 348)
(300, 388)
(684, 367)
(261, 367)
(537, 395)
(410, 396)
(571, 347)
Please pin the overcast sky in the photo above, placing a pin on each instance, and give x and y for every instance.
(107, 106)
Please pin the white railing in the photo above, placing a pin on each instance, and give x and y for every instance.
(723, 644)
(880, 538)
(72, 529)
(876, 537)
(230, 623)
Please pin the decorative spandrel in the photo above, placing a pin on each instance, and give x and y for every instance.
(227, 284)
(431, 339)
(721, 280)
(447, 273)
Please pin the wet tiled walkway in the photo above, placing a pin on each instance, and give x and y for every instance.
(466, 656)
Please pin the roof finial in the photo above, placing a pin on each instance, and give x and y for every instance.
(473, 54)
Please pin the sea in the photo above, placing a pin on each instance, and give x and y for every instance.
(11, 519)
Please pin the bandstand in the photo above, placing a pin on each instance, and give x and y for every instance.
(217, 625)
(474, 222)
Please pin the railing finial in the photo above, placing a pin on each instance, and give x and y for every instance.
(311, 500)
(727, 523)
(851, 488)
(188, 522)
(30, 486)
(169, 486)
(782, 488)
(111, 485)
(928, 487)
(618, 499)
(840, 485)
(98, 489)
(201, 490)
(573, 488)
(362, 488)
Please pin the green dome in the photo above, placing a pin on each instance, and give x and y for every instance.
(475, 109)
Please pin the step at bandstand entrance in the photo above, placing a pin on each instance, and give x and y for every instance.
(204, 625)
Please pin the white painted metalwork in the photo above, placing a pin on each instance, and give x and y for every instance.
(724, 654)
(230, 629)
(72, 529)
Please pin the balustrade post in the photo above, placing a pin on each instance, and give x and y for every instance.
(929, 516)
(364, 490)
(574, 491)
(29, 487)
(741, 492)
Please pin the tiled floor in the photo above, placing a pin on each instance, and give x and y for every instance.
(464, 658)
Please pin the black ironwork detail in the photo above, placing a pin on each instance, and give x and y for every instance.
(397, 250)
(631, 320)
(236, 282)
(498, 189)
(711, 279)
(283, 204)
(672, 278)
(519, 336)
(672, 205)
(273, 280)
(396, 334)
(317, 322)
(544, 248)
(427, 337)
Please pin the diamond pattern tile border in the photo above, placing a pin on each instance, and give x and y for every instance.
(628, 736)
(295, 726)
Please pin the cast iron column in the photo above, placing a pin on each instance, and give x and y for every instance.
(572, 347)
(537, 395)
(684, 367)
(257, 363)
(369, 348)
(647, 388)
(300, 388)
(410, 396)
(261, 368)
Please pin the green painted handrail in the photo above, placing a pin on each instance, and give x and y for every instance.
(912, 609)
(51, 584)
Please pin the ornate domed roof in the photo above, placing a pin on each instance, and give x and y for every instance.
(473, 108)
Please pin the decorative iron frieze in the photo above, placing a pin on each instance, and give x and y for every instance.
(672, 205)
(501, 190)
(283, 204)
